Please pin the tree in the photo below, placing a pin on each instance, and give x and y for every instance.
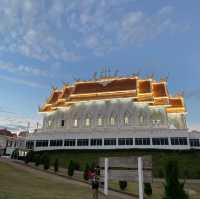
(86, 172)
(56, 165)
(123, 184)
(77, 166)
(15, 154)
(29, 157)
(71, 168)
(46, 162)
(37, 160)
(160, 173)
(93, 166)
(147, 189)
(173, 188)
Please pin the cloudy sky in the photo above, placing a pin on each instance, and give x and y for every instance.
(44, 43)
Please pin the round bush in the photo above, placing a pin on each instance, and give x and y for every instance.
(123, 185)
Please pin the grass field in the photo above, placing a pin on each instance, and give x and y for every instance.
(188, 161)
(16, 183)
(192, 189)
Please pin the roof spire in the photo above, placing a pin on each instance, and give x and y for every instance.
(95, 76)
(109, 75)
(116, 73)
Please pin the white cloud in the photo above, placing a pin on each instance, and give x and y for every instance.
(194, 126)
(16, 123)
(23, 82)
(62, 30)
(137, 27)
(23, 69)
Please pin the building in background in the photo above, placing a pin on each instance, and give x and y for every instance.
(114, 113)
(3, 141)
(10, 141)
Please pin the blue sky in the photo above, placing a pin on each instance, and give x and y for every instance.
(45, 43)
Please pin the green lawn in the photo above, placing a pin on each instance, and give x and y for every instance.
(16, 183)
(188, 161)
(193, 189)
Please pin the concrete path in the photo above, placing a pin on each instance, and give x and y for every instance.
(56, 178)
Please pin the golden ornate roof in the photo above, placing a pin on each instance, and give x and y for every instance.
(140, 90)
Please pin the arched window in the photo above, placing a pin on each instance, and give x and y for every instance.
(100, 121)
(87, 122)
(50, 123)
(126, 118)
(62, 123)
(113, 120)
(75, 122)
(141, 118)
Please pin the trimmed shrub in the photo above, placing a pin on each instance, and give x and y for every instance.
(123, 185)
(93, 166)
(185, 174)
(46, 162)
(147, 189)
(160, 173)
(56, 165)
(29, 157)
(77, 166)
(37, 160)
(173, 188)
(86, 172)
(71, 168)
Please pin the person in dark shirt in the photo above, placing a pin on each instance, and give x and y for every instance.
(95, 187)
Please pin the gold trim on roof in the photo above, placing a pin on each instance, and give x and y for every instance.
(155, 98)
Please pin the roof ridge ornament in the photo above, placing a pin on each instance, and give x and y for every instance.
(53, 88)
(165, 78)
(116, 73)
(180, 94)
(105, 73)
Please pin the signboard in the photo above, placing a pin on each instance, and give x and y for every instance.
(127, 162)
(127, 175)
(136, 169)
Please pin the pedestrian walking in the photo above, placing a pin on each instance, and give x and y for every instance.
(95, 187)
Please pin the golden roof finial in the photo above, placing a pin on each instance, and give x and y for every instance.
(95, 76)
(150, 76)
(64, 83)
(180, 94)
(165, 79)
(116, 73)
(53, 88)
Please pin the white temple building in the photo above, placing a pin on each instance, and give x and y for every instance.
(114, 113)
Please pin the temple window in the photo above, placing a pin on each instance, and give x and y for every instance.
(141, 119)
(62, 123)
(87, 122)
(100, 121)
(126, 120)
(112, 121)
(75, 122)
(50, 123)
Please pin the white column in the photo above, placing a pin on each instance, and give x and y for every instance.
(106, 176)
(140, 178)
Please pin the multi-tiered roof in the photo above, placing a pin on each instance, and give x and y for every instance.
(140, 90)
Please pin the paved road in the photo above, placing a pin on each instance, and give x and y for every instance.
(56, 179)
